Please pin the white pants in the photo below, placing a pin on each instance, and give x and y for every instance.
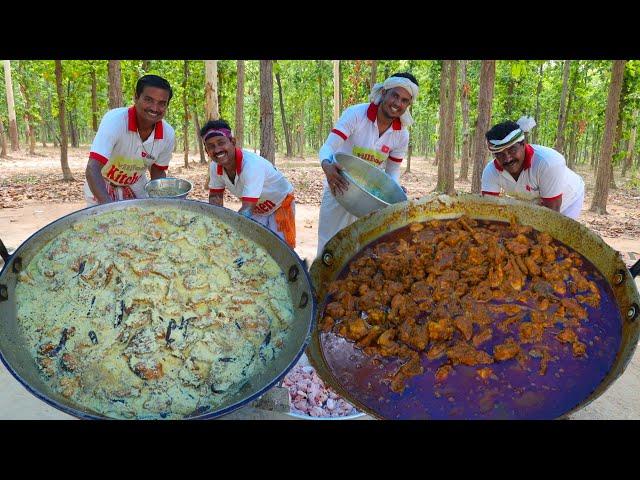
(269, 221)
(573, 210)
(333, 218)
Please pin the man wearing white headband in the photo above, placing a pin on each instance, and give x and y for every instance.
(530, 172)
(376, 132)
(266, 195)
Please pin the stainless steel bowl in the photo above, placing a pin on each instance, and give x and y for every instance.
(168, 188)
(370, 188)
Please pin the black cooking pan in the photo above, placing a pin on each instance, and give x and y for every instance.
(334, 357)
(14, 352)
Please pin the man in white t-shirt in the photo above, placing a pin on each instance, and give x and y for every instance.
(130, 142)
(376, 132)
(530, 172)
(266, 195)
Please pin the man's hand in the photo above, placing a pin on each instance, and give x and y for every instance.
(553, 204)
(337, 183)
(96, 182)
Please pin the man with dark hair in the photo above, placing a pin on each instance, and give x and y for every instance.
(129, 142)
(530, 172)
(376, 132)
(266, 195)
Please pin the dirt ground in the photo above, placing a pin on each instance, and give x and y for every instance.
(32, 195)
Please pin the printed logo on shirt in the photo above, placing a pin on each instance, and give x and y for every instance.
(123, 171)
(265, 206)
(368, 154)
(385, 149)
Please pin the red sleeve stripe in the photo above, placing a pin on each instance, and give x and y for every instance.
(98, 157)
(553, 198)
(398, 160)
(339, 133)
(490, 193)
(161, 167)
(216, 190)
(250, 199)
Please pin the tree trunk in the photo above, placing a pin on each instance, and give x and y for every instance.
(599, 204)
(185, 107)
(573, 130)
(447, 130)
(198, 137)
(72, 131)
(409, 153)
(594, 149)
(11, 107)
(571, 151)
(3, 142)
(285, 127)
(534, 135)
(211, 107)
(321, 96)
(267, 134)
(508, 108)
(464, 105)
(628, 160)
(94, 101)
(441, 112)
(374, 73)
(337, 91)
(239, 133)
(64, 162)
(146, 66)
(485, 98)
(115, 84)
(562, 118)
(28, 118)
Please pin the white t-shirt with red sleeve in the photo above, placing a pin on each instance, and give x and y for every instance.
(356, 133)
(124, 156)
(256, 180)
(545, 175)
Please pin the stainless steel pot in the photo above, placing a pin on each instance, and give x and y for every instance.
(15, 354)
(349, 241)
(168, 187)
(370, 188)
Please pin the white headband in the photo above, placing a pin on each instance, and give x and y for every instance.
(525, 123)
(514, 137)
(392, 82)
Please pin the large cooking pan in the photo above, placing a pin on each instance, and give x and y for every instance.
(351, 240)
(15, 354)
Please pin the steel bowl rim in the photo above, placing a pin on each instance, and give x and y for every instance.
(160, 181)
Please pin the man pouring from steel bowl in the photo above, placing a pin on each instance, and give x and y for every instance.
(376, 132)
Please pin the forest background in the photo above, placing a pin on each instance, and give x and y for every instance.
(284, 109)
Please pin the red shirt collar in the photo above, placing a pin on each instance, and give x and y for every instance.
(372, 113)
(133, 124)
(238, 163)
(528, 158)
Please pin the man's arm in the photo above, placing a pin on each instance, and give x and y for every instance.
(95, 180)
(337, 136)
(216, 198)
(157, 172)
(552, 203)
(247, 208)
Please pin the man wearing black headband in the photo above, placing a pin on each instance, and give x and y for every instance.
(265, 193)
(530, 172)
